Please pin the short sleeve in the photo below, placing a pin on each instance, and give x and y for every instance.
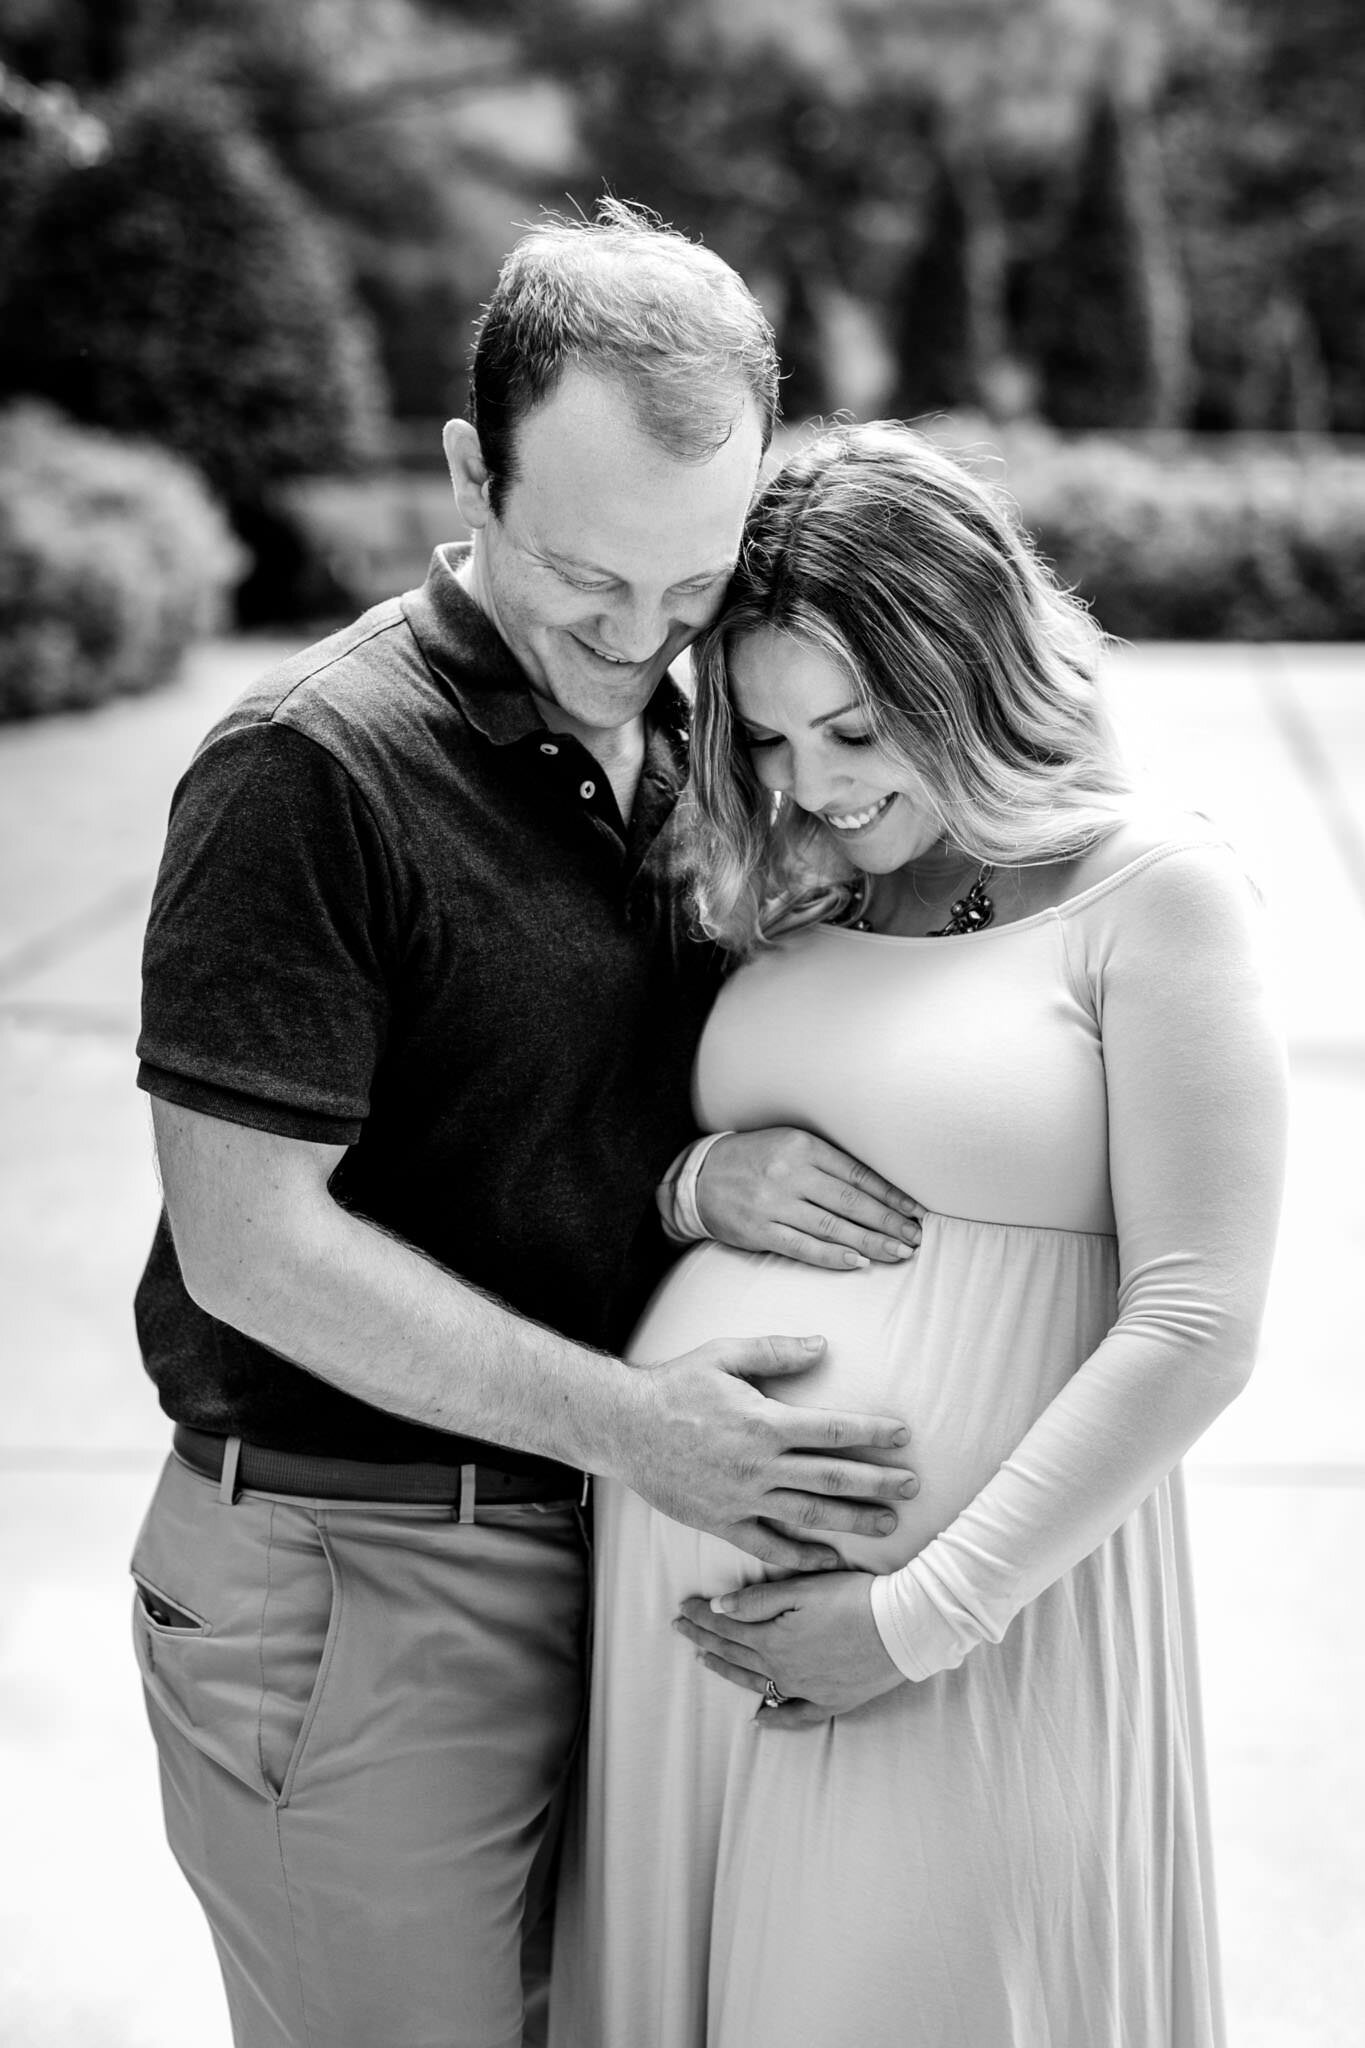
(271, 944)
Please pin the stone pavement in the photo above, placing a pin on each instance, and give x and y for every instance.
(101, 1945)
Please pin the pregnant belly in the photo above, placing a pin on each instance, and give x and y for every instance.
(966, 1343)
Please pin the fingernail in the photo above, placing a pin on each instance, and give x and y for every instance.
(909, 1487)
(887, 1525)
(902, 1436)
(719, 1606)
(905, 1251)
(812, 1343)
(855, 1259)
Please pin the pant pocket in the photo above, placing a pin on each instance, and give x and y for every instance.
(162, 1615)
(234, 1619)
(299, 1625)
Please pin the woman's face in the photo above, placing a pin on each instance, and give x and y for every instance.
(807, 737)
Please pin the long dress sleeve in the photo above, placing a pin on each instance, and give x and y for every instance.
(1194, 1075)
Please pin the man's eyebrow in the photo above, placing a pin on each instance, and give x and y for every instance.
(563, 561)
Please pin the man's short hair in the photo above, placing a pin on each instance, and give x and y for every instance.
(621, 296)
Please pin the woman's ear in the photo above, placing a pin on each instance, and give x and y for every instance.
(468, 473)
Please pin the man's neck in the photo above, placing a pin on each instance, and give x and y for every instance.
(619, 749)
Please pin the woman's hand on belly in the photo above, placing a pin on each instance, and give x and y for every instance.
(813, 1636)
(788, 1191)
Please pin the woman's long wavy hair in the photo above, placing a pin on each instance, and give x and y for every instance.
(971, 664)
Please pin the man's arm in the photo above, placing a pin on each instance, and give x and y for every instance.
(264, 1247)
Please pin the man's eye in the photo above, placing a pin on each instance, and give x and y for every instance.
(578, 582)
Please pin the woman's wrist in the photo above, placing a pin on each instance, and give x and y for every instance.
(676, 1194)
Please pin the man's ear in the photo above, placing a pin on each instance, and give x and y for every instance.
(468, 473)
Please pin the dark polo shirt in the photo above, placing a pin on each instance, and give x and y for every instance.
(396, 913)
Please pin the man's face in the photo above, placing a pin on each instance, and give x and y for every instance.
(609, 555)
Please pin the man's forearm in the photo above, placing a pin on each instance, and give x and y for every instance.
(379, 1320)
(263, 1247)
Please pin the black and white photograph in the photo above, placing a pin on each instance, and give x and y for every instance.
(682, 1023)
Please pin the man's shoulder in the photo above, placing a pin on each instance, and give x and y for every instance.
(348, 677)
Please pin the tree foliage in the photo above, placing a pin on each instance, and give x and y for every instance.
(1132, 210)
(177, 289)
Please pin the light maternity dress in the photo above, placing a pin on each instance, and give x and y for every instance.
(1011, 1850)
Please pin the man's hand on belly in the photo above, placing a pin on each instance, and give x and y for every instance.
(788, 1191)
(814, 1638)
(702, 1445)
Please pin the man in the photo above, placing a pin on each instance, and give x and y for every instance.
(420, 1011)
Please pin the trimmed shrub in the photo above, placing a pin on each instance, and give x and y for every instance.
(933, 339)
(113, 559)
(1183, 537)
(180, 289)
(1102, 315)
(1172, 543)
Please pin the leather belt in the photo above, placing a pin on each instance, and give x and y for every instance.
(262, 1471)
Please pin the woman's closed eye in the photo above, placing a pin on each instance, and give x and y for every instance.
(754, 740)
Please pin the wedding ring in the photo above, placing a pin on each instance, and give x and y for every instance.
(772, 1697)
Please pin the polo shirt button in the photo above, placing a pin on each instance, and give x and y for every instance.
(548, 747)
(587, 789)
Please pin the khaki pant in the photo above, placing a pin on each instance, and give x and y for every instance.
(365, 1717)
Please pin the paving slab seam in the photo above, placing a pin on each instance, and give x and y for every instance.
(73, 932)
(1314, 764)
(69, 1020)
(1297, 1475)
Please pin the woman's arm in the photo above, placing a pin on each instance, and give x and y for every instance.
(1195, 1078)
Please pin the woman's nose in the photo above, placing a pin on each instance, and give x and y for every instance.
(805, 781)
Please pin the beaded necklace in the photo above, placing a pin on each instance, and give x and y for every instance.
(972, 912)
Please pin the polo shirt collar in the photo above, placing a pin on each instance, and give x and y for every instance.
(460, 644)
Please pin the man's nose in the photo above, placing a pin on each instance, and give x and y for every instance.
(634, 627)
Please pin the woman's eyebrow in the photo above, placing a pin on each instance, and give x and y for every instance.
(757, 725)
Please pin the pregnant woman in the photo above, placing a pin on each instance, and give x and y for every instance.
(952, 1794)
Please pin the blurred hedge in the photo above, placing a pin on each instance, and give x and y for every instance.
(1171, 540)
(179, 289)
(113, 559)
(1167, 537)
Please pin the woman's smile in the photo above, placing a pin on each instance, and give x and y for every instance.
(850, 822)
